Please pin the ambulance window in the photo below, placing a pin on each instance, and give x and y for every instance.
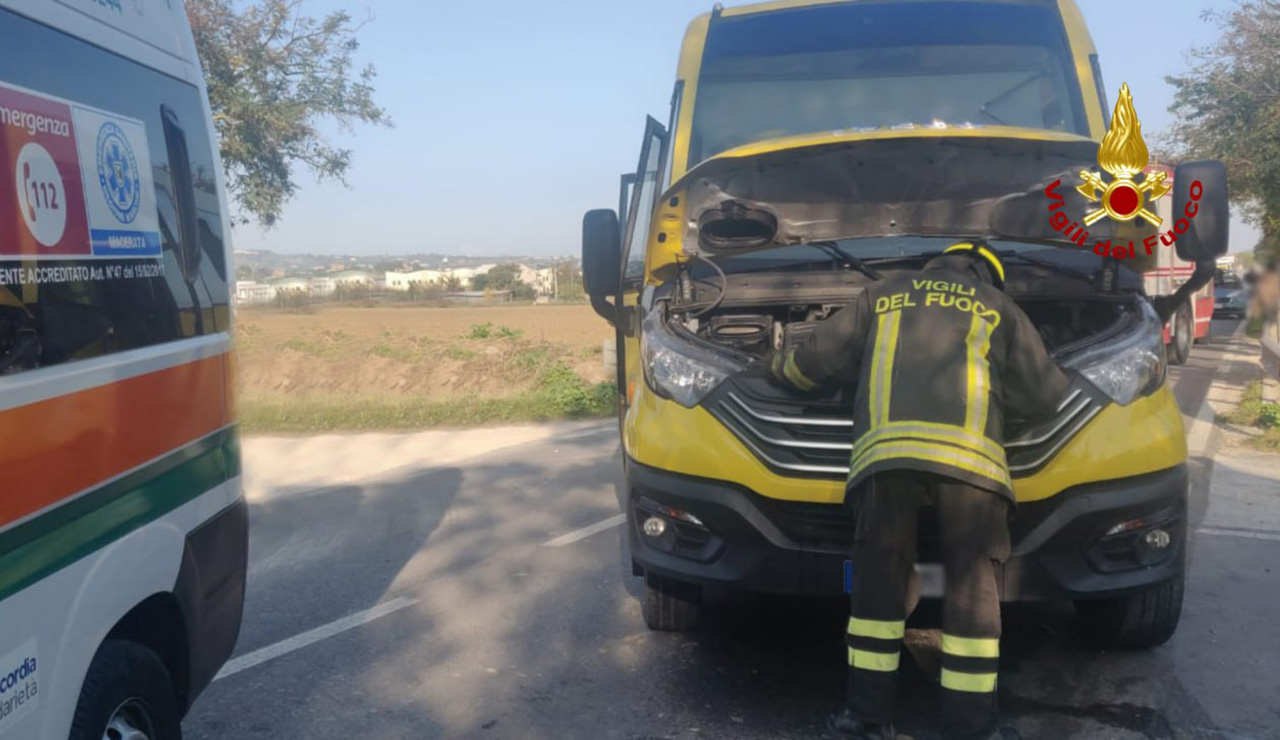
(132, 255)
(175, 140)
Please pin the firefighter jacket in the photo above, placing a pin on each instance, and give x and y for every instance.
(938, 357)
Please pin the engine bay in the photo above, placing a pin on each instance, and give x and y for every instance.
(779, 317)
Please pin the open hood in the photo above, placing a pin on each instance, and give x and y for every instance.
(970, 182)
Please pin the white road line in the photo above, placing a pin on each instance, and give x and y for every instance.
(1240, 533)
(310, 637)
(585, 532)
(1201, 426)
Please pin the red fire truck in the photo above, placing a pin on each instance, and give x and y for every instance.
(1164, 273)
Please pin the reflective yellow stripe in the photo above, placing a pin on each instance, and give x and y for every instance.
(978, 397)
(931, 452)
(992, 259)
(887, 325)
(880, 630)
(977, 683)
(903, 430)
(891, 349)
(793, 374)
(869, 661)
(971, 647)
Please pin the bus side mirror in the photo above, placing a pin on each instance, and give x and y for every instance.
(602, 260)
(1200, 198)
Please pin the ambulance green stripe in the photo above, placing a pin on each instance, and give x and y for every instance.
(50, 542)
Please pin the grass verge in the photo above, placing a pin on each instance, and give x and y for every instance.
(561, 395)
(1254, 412)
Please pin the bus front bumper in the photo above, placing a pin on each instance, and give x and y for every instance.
(1090, 541)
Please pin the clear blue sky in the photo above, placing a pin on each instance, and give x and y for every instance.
(513, 117)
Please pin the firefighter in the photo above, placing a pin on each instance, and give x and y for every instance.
(939, 358)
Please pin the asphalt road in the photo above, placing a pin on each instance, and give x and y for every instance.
(423, 602)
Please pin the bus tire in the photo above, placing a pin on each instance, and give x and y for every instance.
(1183, 332)
(1136, 621)
(670, 606)
(127, 688)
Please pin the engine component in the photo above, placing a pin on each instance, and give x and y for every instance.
(742, 331)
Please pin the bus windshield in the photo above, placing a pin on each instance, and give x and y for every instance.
(871, 65)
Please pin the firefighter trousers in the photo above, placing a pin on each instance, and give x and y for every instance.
(974, 537)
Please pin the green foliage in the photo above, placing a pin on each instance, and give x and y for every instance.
(1269, 415)
(393, 352)
(274, 75)
(1227, 108)
(293, 299)
(504, 277)
(530, 358)
(488, 331)
(1246, 414)
(352, 291)
(461, 353)
(569, 282)
(570, 396)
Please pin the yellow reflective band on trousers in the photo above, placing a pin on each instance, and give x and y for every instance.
(975, 683)
(794, 375)
(879, 629)
(869, 661)
(906, 430)
(966, 460)
(978, 395)
(882, 358)
(971, 647)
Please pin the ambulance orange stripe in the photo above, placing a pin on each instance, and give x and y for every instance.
(61, 446)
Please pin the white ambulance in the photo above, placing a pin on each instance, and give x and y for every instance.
(123, 529)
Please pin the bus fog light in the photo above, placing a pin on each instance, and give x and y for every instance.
(654, 526)
(1157, 539)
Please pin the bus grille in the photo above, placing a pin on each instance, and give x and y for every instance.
(813, 437)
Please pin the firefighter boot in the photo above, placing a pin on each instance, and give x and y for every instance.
(845, 725)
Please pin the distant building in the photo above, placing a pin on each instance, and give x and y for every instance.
(323, 287)
(402, 280)
(542, 281)
(253, 293)
(479, 296)
(353, 278)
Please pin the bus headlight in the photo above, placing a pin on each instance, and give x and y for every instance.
(676, 368)
(1130, 365)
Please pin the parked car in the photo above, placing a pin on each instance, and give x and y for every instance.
(1230, 299)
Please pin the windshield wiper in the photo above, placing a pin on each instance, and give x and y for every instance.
(839, 255)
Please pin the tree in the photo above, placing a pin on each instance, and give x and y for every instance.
(1228, 108)
(274, 75)
(504, 277)
(569, 281)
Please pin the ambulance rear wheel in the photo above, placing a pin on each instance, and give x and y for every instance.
(1136, 621)
(1183, 331)
(671, 606)
(127, 695)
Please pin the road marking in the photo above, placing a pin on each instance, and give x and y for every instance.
(585, 532)
(1245, 533)
(310, 637)
(1201, 426)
